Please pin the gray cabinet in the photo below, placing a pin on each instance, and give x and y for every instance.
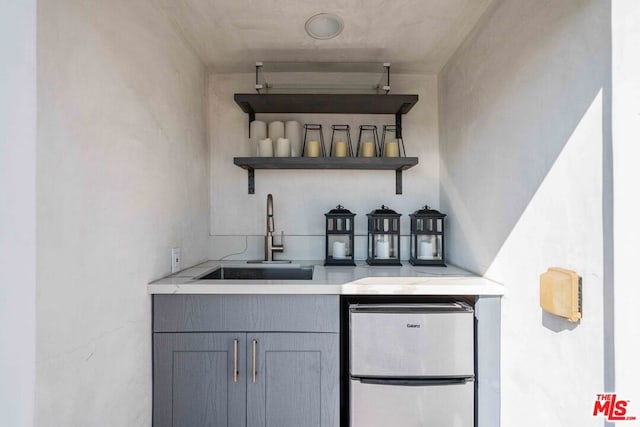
(296, 382)
(207, 349)
(194, 381)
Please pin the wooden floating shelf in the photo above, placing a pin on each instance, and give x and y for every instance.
(373, 163)
(325, 103)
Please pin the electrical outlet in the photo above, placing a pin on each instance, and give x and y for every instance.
(176, 260)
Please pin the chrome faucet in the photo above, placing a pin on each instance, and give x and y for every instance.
(269, 246)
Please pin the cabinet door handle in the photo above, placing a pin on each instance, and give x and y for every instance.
(235, 360)
(253, 359)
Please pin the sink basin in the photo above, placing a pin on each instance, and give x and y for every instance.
(260, 273)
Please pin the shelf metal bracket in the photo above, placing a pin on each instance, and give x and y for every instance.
(252, 117)
(252, 181)
(398, 181)
(398, 125)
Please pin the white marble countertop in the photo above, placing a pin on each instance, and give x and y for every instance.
(359, 280)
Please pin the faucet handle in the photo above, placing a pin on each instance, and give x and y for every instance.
(280, 246)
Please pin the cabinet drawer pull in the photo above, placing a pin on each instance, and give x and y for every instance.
(253, 360)
(235, 360)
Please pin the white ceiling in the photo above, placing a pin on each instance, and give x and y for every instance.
(414, 35)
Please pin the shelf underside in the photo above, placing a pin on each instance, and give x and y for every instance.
(325, 103)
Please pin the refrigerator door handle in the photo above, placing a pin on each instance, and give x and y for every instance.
(445, 307)
(416, 382)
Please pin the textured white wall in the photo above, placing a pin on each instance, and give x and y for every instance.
(626, 176)
(17, 211)
(521, 143)
(301, 198)
(122, 177)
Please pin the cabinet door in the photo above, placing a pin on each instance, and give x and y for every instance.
(194, 382)
(296, 380)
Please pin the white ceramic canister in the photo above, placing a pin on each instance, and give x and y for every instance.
(265, 148)
(283, 147)
(258, 132)
(276, 130)
(293, 132)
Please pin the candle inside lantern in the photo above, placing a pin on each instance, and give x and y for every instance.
(313, 149)
(425, 249)
(339, 250)
(391, 149)
(340, 149)
(382, 249)
(368, 149)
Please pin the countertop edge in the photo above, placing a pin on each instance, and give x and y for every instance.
(406, 281)
(319, 290)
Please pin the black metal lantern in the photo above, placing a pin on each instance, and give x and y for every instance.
(427, 237)
(339, 237)
(383, 241)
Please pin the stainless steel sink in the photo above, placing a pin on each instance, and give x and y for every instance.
(260, 273)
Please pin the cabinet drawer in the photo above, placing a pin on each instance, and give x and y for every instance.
(262, 313)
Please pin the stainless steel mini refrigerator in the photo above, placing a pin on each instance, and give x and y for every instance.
(411, 365)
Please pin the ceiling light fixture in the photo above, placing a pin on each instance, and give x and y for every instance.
(324, 26)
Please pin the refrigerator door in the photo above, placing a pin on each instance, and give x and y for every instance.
(420, 340)
(382, 405)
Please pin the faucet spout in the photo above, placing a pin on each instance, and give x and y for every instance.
(270, 224)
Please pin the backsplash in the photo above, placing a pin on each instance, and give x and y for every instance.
(295, 247)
